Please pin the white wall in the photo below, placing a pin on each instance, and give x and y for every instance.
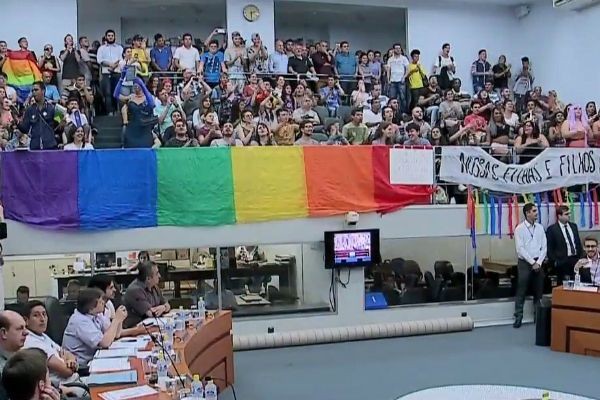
(33, 20)
(263, 26)
(199, 27)
(467, 28)
(563, 48)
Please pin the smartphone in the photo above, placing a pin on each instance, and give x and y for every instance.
(221, 31)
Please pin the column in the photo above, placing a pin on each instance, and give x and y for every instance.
(264, 24)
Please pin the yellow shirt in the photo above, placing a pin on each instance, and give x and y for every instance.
(415, 81)
(142, 57)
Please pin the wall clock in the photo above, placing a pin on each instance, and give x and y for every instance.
(251, 12)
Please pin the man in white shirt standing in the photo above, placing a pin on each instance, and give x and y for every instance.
(396, 68)
(589, 267)
(186, 56)
(530, 241)
(109, 55)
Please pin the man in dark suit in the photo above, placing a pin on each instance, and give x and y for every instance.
(564, 244)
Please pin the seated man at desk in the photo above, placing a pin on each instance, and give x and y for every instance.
(61, 363)
(73, 288)
(22, 295)
(87, 330)
(589, 267)
(143, 298)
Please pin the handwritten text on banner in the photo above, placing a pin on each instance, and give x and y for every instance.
(411, 166)
(553, 168)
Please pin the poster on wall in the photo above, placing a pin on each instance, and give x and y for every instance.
(552, 169)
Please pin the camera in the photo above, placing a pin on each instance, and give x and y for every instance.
(352, 218)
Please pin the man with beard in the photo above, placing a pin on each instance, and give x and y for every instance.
(109, 56)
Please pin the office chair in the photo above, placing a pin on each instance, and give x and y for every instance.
(443, 269)
(415, 295)
(411, 267)
(57, 318)
(455, 293)
(392, 297)
(397, 265)
(434, 286)
(344, 113)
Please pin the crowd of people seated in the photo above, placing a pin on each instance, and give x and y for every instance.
(213, 94)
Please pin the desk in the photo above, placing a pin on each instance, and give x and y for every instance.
(575, 322)
(498, 266)
(207, 351)
(286, 271)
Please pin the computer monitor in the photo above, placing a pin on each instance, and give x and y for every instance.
(105, 260)
(352, 248)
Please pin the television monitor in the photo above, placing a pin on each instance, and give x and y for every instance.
(106, 260)
(352, 248)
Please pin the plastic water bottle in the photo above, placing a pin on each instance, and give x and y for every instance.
(197, 390)
(201, 309)
(180, 320)
(210, 390)
(162, 370)
(169, 327)
(577, 280)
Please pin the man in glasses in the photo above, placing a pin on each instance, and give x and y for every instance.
(564, 244)
(589, 267)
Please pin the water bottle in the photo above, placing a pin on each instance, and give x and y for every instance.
(577, 280)
(180, 321)
(162, 370)
(197, 390)
(201, 309)
(210, 390)
(169, 327)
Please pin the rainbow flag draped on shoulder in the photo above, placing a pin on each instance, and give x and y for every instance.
(121, 189)
(22, 70)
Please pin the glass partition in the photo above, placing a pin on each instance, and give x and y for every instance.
(420, 270)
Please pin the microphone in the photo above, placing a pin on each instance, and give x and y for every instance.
(159, 343)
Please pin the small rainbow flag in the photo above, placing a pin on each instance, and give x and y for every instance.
(90, 190)
(22, 70)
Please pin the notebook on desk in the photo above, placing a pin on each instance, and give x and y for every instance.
(250, 298)
(129, 393)
(112, 378)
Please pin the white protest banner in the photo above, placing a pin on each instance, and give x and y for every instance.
(411, 166)
(551, 169)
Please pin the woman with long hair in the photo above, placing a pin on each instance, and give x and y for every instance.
(287, 98)
(153, 84)
(262, 136)
(364, 71)
(246, 128)
(554, 132)
(486, 105)
(576, 129)
(531, 143)
(384, 134)
(510, 116)
(499, 134)
(591, 112)
(267, 111)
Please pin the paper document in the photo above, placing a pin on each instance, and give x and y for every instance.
(112, 378)
(116, 353)
(143, 354)
(129, 393)
(133, 343)
(109, 364)
(154, 321)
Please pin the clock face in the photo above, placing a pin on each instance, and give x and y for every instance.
(251, 12)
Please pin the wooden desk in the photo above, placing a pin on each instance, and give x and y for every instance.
(498, 266)
(575, 322)
(207, 351)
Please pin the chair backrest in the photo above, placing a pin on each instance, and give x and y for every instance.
(452, 294)
(344, 113)
(392, 297)
(434, 286)
(416, 295)
(443, 269)
(320, 137)
(397, 265)
(411, 280)
(412, 267)
(322, 112)
(58, 317)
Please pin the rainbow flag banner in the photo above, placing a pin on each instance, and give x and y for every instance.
(121, 189)
(21, 70)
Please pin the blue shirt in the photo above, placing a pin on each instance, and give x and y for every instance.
(212, 66)
(345, 63)
(37, 123)
(52, 93)
(331, 97)
(83, 335)
(161, 57)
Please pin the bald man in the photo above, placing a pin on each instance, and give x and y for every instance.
(13, 332)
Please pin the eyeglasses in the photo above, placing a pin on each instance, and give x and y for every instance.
(590, 246)
(47, 49)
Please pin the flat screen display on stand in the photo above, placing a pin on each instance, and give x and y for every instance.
(352, 248)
